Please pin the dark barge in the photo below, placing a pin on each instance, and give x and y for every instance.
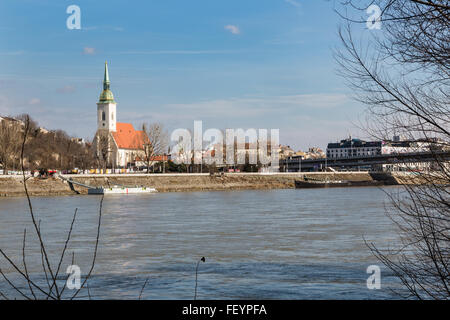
(302, 184)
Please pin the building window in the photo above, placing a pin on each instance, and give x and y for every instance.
(112, 116)
(103, 116)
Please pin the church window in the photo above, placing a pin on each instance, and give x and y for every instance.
(112, 116)
(103, 116)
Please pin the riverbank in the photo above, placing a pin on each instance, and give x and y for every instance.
(13, 185)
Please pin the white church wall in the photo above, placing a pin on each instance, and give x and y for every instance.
(106, 116)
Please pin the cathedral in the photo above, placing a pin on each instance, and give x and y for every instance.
(118, 144)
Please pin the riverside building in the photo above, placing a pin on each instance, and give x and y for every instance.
(118, 143)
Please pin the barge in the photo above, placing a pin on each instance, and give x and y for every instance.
(308, 183)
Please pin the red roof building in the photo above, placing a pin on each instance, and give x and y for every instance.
(116, 143)
(126, 137)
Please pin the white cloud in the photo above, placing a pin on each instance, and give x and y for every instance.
(293, 2)
(312, 101)
(34, 101)
(245, 109)
(312, 127)
(303, 119)
(233, 29)
(88, 50)
(265, 108)
(66, 89)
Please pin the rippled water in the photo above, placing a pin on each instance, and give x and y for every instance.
(278, 244)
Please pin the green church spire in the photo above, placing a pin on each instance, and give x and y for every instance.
(106, 96)
(106, 79)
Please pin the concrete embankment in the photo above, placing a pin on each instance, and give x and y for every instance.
(13, 185)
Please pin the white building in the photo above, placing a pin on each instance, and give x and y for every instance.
(353, 148)
(119, 143)
(348, 148)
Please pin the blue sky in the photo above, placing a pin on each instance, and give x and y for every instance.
(233, 64)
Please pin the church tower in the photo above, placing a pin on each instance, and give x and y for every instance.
(106, 106)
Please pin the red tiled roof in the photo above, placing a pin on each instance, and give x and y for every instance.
(159, 158)
(128, 138)
(155, 158)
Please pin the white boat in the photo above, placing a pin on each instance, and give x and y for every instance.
(121, 190)
(107, 190)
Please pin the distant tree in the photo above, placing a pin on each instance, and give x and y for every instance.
(84, 156)
(173, 167)
(157, 141)
(10, 134)
(103, 150)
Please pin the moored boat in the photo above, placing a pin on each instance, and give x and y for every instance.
(301, 184)
(121, 190)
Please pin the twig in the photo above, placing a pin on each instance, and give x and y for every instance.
(65, 248)
(25, 264)
(41, 242)
(142, 290)
(68, 275)
(2, 295)
(22, 274)
(14, 287)
(96, 248)
(43, 265)
(89, 291)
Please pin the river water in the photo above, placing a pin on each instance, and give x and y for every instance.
(277, 244)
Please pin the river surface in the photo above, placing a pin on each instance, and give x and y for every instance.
(277, 244)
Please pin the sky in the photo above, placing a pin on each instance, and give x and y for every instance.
(264, 64)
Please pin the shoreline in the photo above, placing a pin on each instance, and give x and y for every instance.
(12, 186)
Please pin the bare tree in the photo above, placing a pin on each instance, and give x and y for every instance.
(401, 73)
(184, 154)
(84, 156)
(10, 130)
(103, 150)
(53, 290)
(157, 141)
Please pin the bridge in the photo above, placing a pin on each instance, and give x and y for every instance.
(296, 164)
(71, 183)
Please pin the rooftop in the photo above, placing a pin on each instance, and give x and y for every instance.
(126, 137)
